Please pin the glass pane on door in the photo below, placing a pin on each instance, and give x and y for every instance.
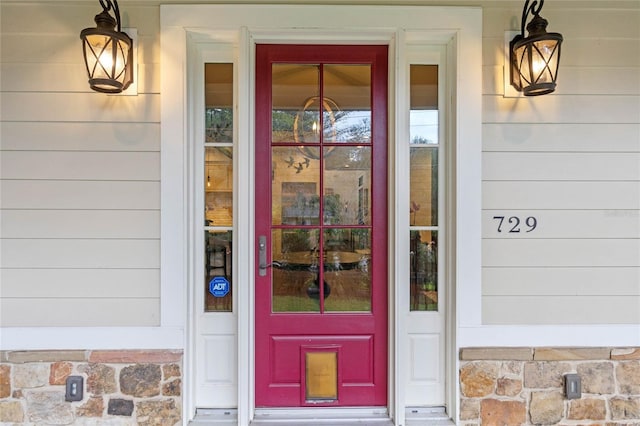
(295, 111)
(347, 270)
(295, 185)
(295, 285)
(347, 180)
(347, 107)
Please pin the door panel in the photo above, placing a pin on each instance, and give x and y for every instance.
(321, 221)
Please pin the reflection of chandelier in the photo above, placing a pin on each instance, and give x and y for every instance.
(306, 126)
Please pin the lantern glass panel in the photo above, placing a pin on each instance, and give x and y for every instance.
(545, 60)
(106, 59)
(522, 59)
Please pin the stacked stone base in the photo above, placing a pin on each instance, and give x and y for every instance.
(525, 386)
(120, 387)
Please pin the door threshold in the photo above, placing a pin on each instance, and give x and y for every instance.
(215, 417)
(427, 416)
(377, 416)
(374, 416)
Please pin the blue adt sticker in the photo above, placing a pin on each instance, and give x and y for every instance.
(219, 286)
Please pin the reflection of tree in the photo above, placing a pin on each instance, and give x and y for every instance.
(306, 206)
(353, 131)
(339, 126)
(426, 264)
(332, 209)
(421, 140)
(282, 124)
(424, 271)
(219, 124)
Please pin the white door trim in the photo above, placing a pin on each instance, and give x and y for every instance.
(458, 27)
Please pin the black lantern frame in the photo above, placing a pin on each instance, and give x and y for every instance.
(108, 52)
(534, 59)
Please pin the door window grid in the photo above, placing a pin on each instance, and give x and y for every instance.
(343, 251)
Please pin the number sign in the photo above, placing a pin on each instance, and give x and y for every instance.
(514, 224)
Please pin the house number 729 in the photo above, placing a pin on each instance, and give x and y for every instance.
(512, 224)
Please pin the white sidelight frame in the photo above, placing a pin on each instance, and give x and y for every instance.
(187, 29)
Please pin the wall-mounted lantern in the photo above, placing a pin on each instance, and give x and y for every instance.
(534, 59)
(108, 52)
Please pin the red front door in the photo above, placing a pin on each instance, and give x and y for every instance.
(321, 226)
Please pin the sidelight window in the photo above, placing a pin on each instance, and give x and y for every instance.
(424, 148)
(218, 187)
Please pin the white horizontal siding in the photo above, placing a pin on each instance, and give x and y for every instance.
(80, 253)
(562, 310)
(80, 171)
(562, 281)
(58, 165)
(571, 160)
(61, 312)
(73, 107)
(506, 195)
(64, 136)
(543, 253)
(102, 195)
(561, 137)
(101, 224)
(561, 166)
(80, 283)
(604, 109)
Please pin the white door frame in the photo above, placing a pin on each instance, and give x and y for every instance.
(183, 28)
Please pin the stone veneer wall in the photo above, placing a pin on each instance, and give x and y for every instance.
(524, 386)
(120, 387)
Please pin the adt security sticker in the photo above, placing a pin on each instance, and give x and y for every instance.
(219, 286)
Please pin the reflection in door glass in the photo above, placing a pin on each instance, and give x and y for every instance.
(219, 102)
(424, 270)
(295, 271)
(218, 188)
(347, 106)
(423, 209)
(347, 179)
(295, 185)
(295, 110)
(218, 277)
(423, 116)
(347, 269)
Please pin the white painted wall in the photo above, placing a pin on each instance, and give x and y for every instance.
(80, 172)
